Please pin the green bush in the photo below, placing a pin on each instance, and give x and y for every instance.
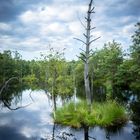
(102, 114)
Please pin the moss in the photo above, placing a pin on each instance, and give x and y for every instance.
(102, 114)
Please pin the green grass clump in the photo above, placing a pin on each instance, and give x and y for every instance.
(102, 114)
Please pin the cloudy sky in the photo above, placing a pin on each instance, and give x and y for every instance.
(34, 26)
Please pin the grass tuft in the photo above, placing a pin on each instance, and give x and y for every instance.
(102, 114)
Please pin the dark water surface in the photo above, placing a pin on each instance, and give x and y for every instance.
(35, 122)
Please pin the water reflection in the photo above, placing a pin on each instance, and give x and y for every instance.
(35, 121)
(11, 94)
(32, 120)
(135, 106)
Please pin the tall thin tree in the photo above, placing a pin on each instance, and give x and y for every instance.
(85, 55)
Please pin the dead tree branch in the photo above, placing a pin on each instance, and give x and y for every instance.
(94, 40)
(81, 21)
(8, 106)
(82, 50)
(80, 40)
(6, 83)
(3, 100)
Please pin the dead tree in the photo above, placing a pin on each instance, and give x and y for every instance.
(85, 55)
(6, 104)
(6, 83)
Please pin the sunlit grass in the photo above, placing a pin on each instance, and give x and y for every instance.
(102, 114)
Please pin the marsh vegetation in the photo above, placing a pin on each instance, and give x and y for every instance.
(99, 90)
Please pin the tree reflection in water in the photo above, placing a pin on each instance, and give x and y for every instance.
(13, 95)
(59, 135)
(135, 106)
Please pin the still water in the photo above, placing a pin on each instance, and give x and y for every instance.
(35, 122)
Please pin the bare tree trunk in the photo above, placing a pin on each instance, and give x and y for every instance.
(53, 91)
(54, 102)
(92, 79)
(87, 87)
(53, 133)
(86, 55)
(86, 129)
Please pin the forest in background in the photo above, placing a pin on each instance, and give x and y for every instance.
(113, 74)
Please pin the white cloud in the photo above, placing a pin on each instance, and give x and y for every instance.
(57, 23)
(54, 29)
(27, 44)
(76, 28)
(28, 17)
(128, 29)
(51, 13)
(5, 27)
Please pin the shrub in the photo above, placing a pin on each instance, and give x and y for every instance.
(102, 114)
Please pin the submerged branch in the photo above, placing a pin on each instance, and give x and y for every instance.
(92, 137)
(6, 83)
(31, 96)
(5, 102)
(8, 106)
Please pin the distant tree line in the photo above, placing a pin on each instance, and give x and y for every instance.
(112, 73)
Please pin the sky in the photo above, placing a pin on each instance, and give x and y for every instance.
(32, 27)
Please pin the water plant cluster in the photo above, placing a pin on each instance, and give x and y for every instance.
(102, 114)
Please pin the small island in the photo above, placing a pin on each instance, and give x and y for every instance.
(104, 114)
